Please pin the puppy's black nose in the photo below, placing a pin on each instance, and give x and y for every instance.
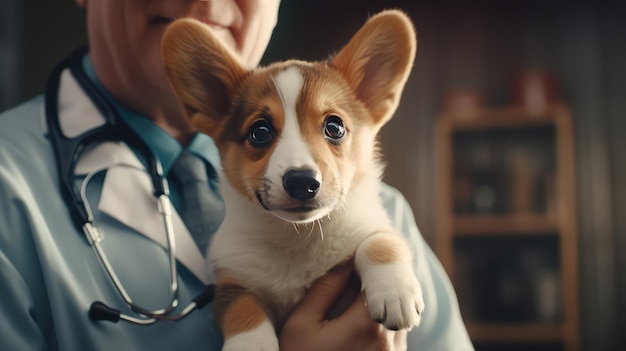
(301, 184)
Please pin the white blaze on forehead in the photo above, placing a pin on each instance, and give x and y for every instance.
(292, 150)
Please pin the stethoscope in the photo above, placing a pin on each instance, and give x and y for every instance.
(68, 151)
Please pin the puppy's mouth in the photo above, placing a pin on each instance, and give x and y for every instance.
(296, 209)
(300, 209)
(260, 199)
(305, 212)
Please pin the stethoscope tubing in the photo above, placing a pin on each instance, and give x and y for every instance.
(96, 237)
(67, 153)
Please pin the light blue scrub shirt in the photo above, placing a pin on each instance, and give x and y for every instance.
(50, 275)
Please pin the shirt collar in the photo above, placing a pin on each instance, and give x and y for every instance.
(163, 145)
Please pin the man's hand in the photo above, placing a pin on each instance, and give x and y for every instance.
(311, 326)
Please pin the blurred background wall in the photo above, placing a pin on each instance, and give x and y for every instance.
(479, 45)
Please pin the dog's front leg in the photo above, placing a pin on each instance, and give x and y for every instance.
(242, 318)
(392, 292)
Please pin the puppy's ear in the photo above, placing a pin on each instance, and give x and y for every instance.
(203, 73)
(377, 61)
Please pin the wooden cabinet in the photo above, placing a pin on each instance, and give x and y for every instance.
(506, 226)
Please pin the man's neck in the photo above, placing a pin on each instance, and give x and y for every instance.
(180, 128)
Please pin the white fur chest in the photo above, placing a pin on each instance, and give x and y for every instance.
(278, 260)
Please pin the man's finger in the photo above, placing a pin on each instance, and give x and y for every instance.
(325, 291)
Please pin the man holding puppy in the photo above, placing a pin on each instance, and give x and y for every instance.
(49, 275)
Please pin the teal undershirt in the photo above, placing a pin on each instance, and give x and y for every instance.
(164, 146)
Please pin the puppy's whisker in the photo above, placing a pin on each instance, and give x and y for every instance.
(295, 227)
(321, 230)
(310, 232)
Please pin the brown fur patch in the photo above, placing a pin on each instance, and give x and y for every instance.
(378, 71)
(385, 250)
(244, 164)
(236, 310)
(207, 88)
(223, 278)
(243, 314)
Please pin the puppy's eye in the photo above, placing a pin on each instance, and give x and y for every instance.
(333, 128)
(260, 133)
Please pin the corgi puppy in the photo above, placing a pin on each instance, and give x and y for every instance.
(301, 173)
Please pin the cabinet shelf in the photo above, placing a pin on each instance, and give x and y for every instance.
(501, 225)
(506, 227)
(496, 118)
(515, 332)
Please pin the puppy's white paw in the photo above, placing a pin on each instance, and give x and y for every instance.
(394, 298)
(261, 338)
